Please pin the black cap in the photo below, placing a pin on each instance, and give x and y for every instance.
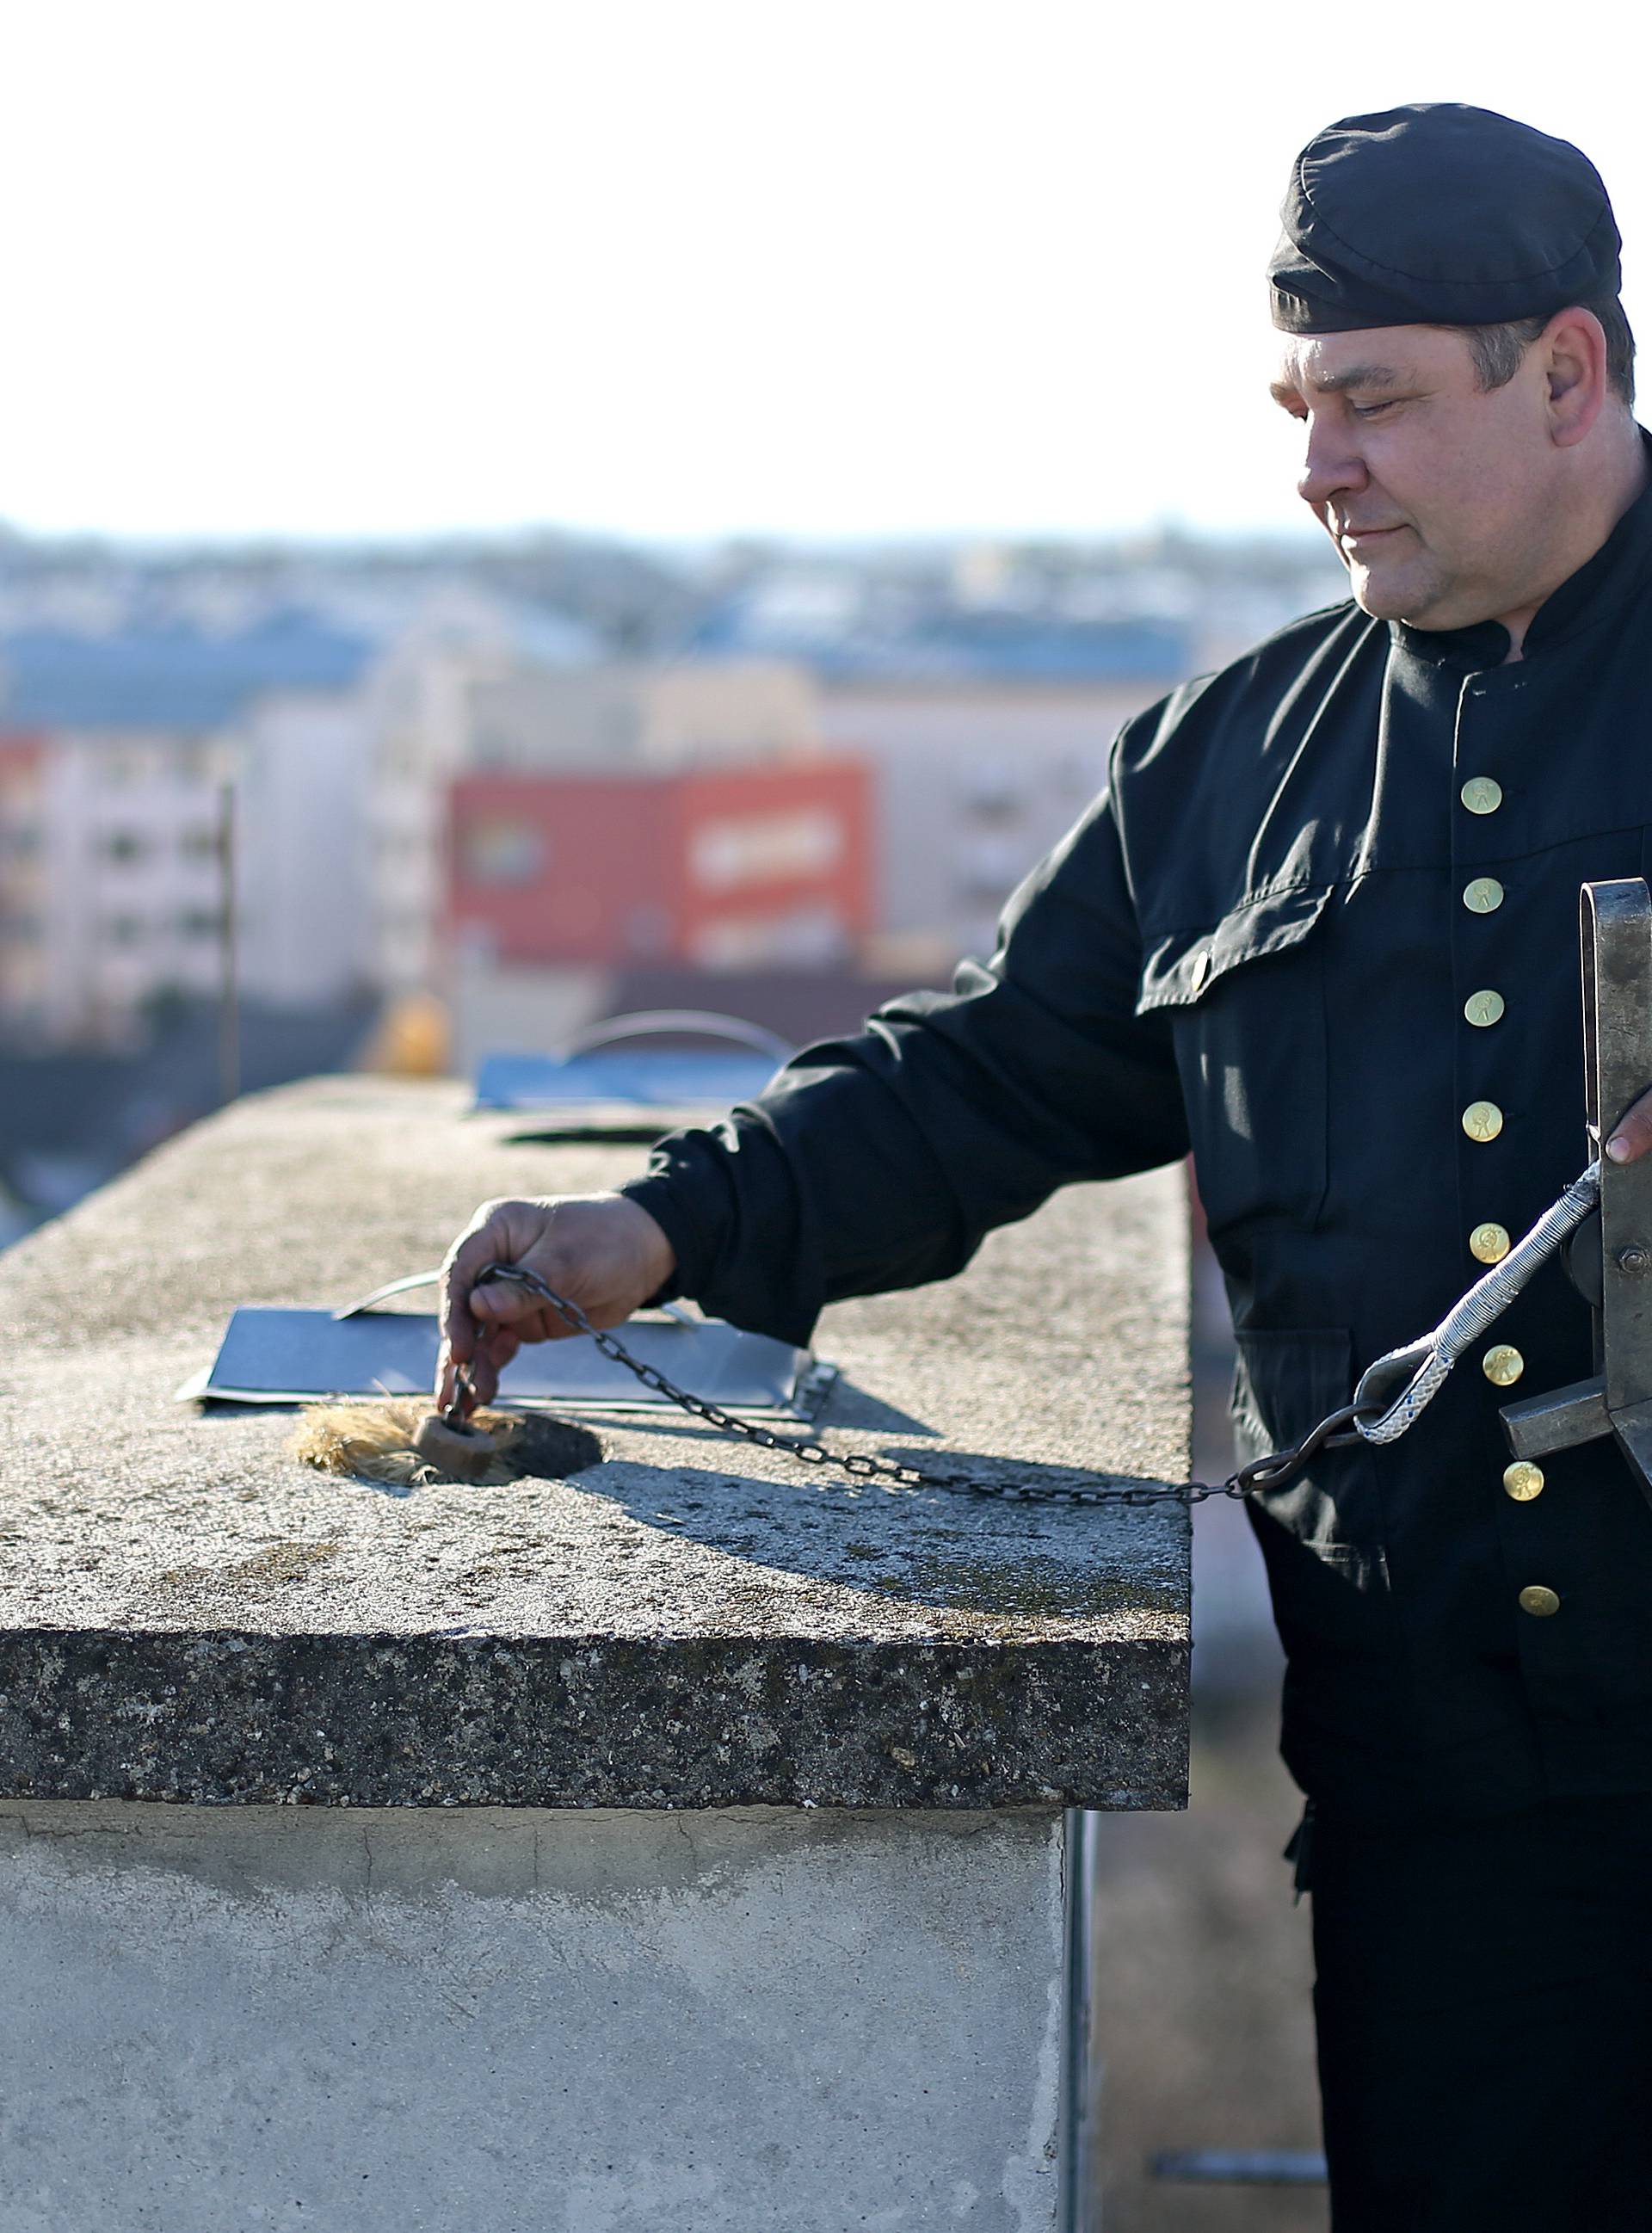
(1440, 215)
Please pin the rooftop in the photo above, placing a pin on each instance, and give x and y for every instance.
(169, 677)
(188, 1613)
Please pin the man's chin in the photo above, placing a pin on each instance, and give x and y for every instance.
(1391, 596)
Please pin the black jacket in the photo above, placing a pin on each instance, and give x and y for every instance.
(1257, 943)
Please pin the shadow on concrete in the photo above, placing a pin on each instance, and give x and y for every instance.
(1002, 1558)
(846, 1406)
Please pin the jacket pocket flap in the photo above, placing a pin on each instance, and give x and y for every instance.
(1285, 1382)
(1182, 967)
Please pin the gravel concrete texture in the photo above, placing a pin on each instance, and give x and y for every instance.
(188, 1613)
(527, 2020)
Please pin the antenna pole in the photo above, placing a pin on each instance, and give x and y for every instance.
(229, 1026)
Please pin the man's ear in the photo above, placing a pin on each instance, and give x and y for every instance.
(1572, 352)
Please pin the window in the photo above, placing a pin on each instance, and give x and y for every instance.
(988, 869)
(120, 768)
(760, 848)
(124, 846)
(993, 790)
(500, 852)
(1080, 776)
(804, 937)
(647, 930)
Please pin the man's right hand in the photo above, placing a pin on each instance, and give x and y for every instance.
(603, 1251)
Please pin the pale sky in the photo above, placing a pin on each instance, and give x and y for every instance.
(685, 268)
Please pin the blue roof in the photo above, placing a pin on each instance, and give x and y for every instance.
(976, 647)
(170, 677)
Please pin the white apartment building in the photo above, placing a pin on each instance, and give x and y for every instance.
(335, 745)
(23, 874)
(663, 717)
(976, 781)
(130, 903)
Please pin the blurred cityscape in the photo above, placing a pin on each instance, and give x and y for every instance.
(270, 810)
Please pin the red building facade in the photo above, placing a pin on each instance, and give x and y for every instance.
(726, 868)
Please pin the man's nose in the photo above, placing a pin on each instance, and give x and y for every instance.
(1332, 463)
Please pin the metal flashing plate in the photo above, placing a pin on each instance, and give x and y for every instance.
(299, 1356)
(637, 1078)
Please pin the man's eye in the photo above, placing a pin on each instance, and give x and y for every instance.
(1373, 410)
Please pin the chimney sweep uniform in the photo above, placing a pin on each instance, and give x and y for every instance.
(1321, 927)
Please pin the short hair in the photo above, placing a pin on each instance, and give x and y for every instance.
(1496, 351)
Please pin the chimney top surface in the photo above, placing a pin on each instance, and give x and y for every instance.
(187, 1613)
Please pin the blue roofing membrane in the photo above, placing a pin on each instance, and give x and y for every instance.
(659, 1079)
(970, 647)
(169, 678)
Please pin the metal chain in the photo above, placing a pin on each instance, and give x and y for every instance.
(1273, 1472)
(1374, 1416)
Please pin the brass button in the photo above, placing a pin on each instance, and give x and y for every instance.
(1481, 794)
(1482, 1120)
(1483, 896)
(1502, 1366)
(1201, 970)
(1523, 1480)
(1539, 1601)
(1489, 1243)
(1483, 1008)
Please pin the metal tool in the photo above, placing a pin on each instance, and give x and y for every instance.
(458, 1414)
(415, 1280)
(1609, 1256)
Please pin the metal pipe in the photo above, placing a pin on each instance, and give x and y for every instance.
(1077, 2197)
(229, 1031)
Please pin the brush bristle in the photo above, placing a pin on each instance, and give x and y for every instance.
(376, 1441)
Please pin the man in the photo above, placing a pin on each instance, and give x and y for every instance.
(1322, 927)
